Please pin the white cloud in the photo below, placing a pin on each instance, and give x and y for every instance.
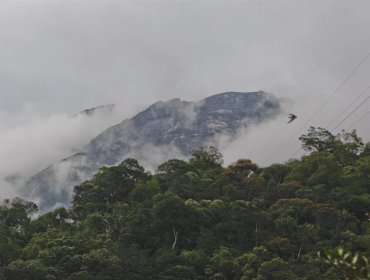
(58, 57)
(27, 148)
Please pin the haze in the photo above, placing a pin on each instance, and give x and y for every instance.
(59, 57)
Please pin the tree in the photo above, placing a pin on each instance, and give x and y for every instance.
(179, 272)
(345, 146)
(243, 175)
(102, 264)
(58, 218)
(241, 169)
(277, 172)
(349, 147)
(10, 247)
(206, 159)
(57, 249)
(249, 263)
(17, 212)
(276, 269)
(197, 220)
(109, 185)
(208, 154)
(174, 220)
(301, 210)
(351, 266)
(194, 258)
(317, 168)
(221, 264)
(318, 139)
(144, 191)
(29, 270)
(174, 167)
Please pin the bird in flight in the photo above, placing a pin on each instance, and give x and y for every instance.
(292, 117)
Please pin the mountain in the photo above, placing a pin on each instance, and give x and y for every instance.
(165, 130)
(57, 136)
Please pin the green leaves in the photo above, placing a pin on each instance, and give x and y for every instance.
(199, 220)
(345, 146)
(354, 266)
(108, 186)
(29, 270)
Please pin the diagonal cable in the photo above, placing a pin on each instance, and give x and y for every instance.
(345, 109)
(334, 93)
(353, 111)
(360, 119)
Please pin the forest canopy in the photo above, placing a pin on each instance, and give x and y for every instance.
(198, 219)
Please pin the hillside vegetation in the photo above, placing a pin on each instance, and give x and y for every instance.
(197, 219)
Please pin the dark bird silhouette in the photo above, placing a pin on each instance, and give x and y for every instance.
(292, 118)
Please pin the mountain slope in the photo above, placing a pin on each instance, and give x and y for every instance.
(164, 130)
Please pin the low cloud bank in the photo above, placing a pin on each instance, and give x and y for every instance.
(31, 145)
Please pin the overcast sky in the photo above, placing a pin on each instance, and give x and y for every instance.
(58, 57)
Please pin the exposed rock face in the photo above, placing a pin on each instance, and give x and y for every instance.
(164, 130)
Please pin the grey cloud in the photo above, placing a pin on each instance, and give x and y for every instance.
(105, 51)
(59, 57)
(26, 149)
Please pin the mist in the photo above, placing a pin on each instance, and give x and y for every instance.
(27, 148)
(61, 57)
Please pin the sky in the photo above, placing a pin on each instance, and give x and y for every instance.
(59, 57)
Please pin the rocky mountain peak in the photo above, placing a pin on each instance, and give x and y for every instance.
(170, 129)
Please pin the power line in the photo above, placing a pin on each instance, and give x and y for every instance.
(350, 114)
(360, 119)
(346, 108)
(353, 111)
(334, 93)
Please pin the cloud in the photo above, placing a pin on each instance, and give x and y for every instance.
(261, 143)
(7, 190)
(151, 156)
(27, 148)
(59, 57)
(62, 56)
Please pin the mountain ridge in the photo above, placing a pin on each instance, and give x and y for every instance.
(168, 129)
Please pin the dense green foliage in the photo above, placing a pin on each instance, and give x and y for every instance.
(199, 220)
(354, 266)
